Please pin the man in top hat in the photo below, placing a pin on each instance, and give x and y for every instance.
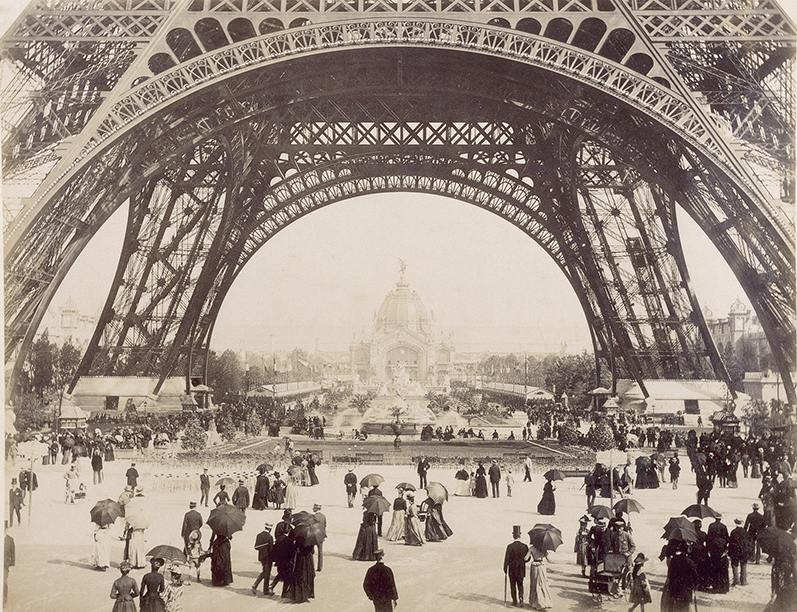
(240, 497)
(495, 477)
(423, 467)
(515, 558)
(132, 475)
(379, 584)
(717, 547)
(14, 503)
(204, 487)
(755, 524)
(321, 519)
(740, 548)
(600, 542)
(264, 542)
(192, 520)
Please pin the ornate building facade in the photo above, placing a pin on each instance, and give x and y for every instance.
(402, 335)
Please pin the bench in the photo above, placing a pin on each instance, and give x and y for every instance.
(370, 457)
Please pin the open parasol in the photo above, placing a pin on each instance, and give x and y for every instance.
(371, 480)
(700, 511)
(226, 481)
(309, 534)
(376, 504)
(406, 486)
(226, 520)
(600, 511)
(678, 522)
(628, 505)
(659, 459)
(545, 537)
(302, 517)
(265, 467)
(437, 492)
(553, 475)
(680, 533)
(777, 542)
(137, 513)
(294, 470)
(168, 553)
(105, 512)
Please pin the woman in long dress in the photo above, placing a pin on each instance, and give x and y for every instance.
(152, 586)
(547, 504)
(367, 539)
(173, 592)
(311, 465)
(291, 494)
(220, 563)
(397, 523)
(481, 481)
(413, 534)
(136, 553)
(260, 498)
(462, 487)
(436, 529)
(539, 595)
(301, 584)
(682, 579)
(102, 547)
(277, 491)
(124, 590)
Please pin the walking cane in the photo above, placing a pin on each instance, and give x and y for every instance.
(505, 589)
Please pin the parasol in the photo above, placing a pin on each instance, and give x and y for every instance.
(628, 505)
(678, 522)
(545, 537)
(226, 481)
(309, 534)
(600, 512)
(680, 533)
(437, 492)
(553, 475)
(105, 512)
(265, 467)
(294, 470)
(168, 553)
(700, 511)
(777, 542)
(226, 520)
(376, 504)
(371, 480)
(658, 459)
(406, 486)
(137, 513)
(302, 517)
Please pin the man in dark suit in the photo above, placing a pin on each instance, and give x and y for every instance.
(350, 480)
(264, 542)
(14, 503)
(192, 520)
(755, 524)
(204, 486)
(517, 554)
(423, 467)
(379, 585)
(321, 519)
(240, 497)
(495, 477)
(132, 475)
(740, 547)
(375, 491)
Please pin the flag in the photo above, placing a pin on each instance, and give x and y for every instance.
(304, 363)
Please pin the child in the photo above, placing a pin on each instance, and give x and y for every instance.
(640, 589)
(196, 555)
(582, 542)
(509, 482)
(174, 592)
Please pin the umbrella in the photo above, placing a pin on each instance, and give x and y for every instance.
(678, 522)
(265, 467)
(553, 475)
(371, 480)
(545, 537)
(437, 492)
(137, 513)
(226, 520)
(406, 486)
(105, 512)
(628, 505)
(309, 534)
(226, 481)
(168, 553)
(601, 512)
(302, 517)
(659, 459)
(680, 533)
(700, 511)
(294, 470)
(376, 504)
(777, 542)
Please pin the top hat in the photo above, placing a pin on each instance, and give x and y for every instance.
(516, 531)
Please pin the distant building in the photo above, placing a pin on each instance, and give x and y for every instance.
(66, 322)
(740, 324)
(766, 385)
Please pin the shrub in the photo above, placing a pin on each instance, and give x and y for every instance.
(568, 434)
(194, 437)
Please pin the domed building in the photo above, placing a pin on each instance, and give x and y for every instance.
(403, 338)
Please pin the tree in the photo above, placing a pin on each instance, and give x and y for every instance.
(756, 416)
(253, 423)
(571, 374)
(568, 434)
(360, 401)
(32, 412)
(225, 375)
(600, 437)
(734, 368)
(226, 428)
(438, 402)
(194, 436)
(41, 365)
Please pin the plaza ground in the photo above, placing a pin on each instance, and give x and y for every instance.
(54, 572)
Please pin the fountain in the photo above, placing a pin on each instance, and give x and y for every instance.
(399, 406)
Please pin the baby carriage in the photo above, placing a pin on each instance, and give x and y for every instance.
(80, 493)
(610, 577)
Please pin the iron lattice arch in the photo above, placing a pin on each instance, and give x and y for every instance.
(569, 133)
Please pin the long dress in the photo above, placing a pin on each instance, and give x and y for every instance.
(291, 495)
(172, 595)
(136, 550)
(539, 595)
(397, 524)
(124, 591)
(260, 498)
(220, 563)
(311, 469)
(436, 529)
(152, 585)
(102, 546)
(301, 585)
(413, 534)
(462, 488)
(367, 540)
(547, 504)
(580, 548)
(481, 482)
(682, 577)
(277, 493)
(640, 589)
